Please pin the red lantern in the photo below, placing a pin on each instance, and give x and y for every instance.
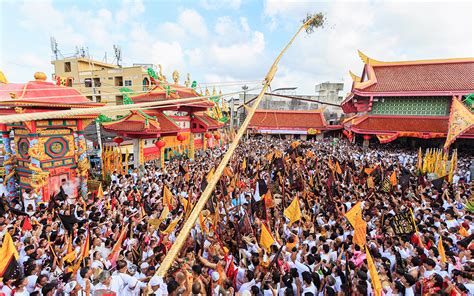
(367, 137)
(207, 135)
(118, 140)
(217, 136)
(160, 144)
(181, 138)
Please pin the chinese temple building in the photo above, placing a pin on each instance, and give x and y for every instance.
(180, 127)
(40, 154)
(291, 123)
(409, 99)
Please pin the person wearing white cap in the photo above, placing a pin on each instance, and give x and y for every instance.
(141, 274)
(215, 286)
(158, 286)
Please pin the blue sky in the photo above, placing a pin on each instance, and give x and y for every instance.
(234, 40)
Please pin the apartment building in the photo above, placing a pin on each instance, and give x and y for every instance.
(100, 80)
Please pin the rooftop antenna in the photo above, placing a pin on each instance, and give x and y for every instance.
(82, 52)
(118, 54)
(54, 47)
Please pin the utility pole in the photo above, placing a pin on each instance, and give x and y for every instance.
(94, 99)
(245, 88)
(232, 114)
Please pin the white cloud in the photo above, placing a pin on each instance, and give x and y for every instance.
(221, 4)
(193, 22)
(391, 30)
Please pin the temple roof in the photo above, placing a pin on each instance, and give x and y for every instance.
(140, 123)
(207, 121)
(136, 122)
(40, 93)
(289, 120)
(443, 75)
(377, 124)
(175, 92)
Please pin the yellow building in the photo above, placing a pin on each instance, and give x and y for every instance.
(104, 80)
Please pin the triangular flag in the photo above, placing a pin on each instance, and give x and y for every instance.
(9, 267)
(338, 168)
(374, 276)
(368, 171)
(441, 252)
(461, 119)
(266, 238)
(117, 247)
(354, 213)
(393, 179)
(167, 196)
(172, 225)
(244, 164)
(202, 223)
(184, 201)
(293, 211)
(228, 172)
(463, 231)
(100, 192)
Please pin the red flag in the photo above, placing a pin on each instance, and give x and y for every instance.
(26, 224)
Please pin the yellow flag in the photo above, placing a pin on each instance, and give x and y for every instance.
(184, 201)
(202, 223)
(126, 161)
(100, 192)
(452, 166)
(167, 196)
(266, 238)
(354, 213)
(374, 276)
(8, 252)
(370, 182)
(393, 179)
(228, 172)
(354, 216)
(338, 168)
(293, 211)
(164, 214)
(244, 164)
(463, 231)
(460, 120)
(210, 175)
(368, 171)
(330, 164)
(419, 164)
(441, 252)
(172, 225)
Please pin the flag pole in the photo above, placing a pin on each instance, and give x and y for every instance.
(188, 225)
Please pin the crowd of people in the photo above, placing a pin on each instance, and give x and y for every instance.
(114, 241)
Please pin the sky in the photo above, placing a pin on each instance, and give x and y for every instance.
(222, 41)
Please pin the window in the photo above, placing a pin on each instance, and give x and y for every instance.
(118, 100)
(97, 82)
(119, 81)
(146, 83)
(88, 82)
(67, 66)
(128, 83)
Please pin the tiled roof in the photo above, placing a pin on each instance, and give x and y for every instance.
(423, 77)
(207, 121)
(167, 124)
(42, 93)
(180, 92)
(389, 124)
(278, 119)
(134, 122)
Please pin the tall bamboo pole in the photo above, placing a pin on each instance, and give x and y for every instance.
(183, 234)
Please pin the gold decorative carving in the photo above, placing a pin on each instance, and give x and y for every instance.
(176, 76)
(161, 77)
(19, 110)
